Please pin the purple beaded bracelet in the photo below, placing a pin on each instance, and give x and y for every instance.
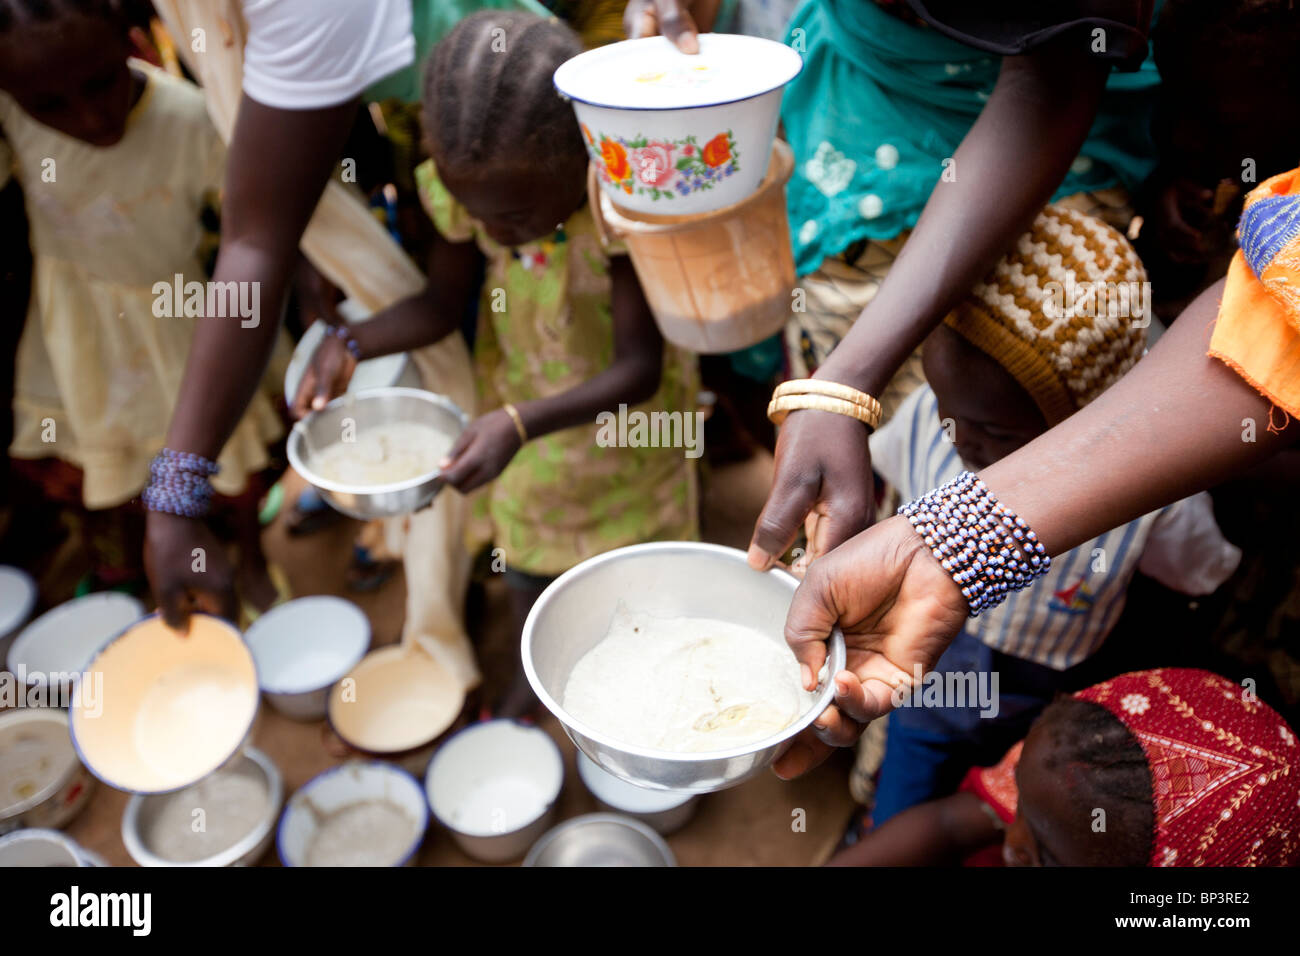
(178, 483)
(988, 550)
(344, 335)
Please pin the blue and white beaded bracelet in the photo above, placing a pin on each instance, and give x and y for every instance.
(344, 335)
(987, 549)
(178, 483)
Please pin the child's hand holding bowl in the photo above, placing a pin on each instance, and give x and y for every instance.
(482, 451)
(326, 377)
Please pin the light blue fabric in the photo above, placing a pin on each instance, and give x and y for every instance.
(881, 104)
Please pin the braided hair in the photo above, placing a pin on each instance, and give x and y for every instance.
(1115, 775)
(489, 98)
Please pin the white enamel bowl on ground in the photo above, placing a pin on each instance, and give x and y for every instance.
(663, 810)
(303, 647)
(60, 643)
(17, 599)
(344, 786)
(494, 785)
(678, 134)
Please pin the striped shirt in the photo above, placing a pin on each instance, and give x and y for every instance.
(1064, 616)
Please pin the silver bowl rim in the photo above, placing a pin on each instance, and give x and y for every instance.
(825, 697)
(83, 856)
(135, 844)
(297, 437)
(619, 819)
(478, 725)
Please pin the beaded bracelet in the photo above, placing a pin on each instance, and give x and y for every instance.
(987, 549)
(344, 334)
(178, 483)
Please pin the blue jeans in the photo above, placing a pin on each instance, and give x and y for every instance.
(929, 749)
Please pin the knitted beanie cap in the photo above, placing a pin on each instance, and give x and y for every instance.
(1065, 311)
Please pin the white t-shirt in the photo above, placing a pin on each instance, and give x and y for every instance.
(1064, 616)
(311, 54)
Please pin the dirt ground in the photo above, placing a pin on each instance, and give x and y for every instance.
(753, 824)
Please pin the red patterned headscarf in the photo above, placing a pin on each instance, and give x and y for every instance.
(1225, 768)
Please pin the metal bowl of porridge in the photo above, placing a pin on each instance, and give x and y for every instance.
(375, 454)
(668, 580)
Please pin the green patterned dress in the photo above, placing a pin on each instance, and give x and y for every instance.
(565, 497)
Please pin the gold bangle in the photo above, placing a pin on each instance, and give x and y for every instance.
(816, 386)
(780, 407)
(519, 422)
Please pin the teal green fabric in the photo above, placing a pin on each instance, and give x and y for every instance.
(431, 21)
(881, 104)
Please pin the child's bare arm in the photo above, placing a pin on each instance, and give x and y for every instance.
(413, 322)
(487, 446)
(938, 833)
(436, 312)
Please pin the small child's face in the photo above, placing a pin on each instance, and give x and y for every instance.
(517, 206)
(71, 77)
(986, 412)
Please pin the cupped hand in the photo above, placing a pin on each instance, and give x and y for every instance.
(898, 610)
(187, 568)
(823, 482)
(326, 377)
(482, 451)
(679, 20)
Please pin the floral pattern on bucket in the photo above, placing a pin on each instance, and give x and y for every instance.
(663, 169)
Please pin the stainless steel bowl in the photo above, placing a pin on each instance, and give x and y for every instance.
(375, 406)
(668, 579)
(601, 839)
(142, 810)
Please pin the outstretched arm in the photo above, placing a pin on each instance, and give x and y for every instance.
(939, 832)
(1003, 173)
(279, 161)
(1171, 427)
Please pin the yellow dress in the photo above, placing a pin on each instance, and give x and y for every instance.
(97, 371)
(566, 496)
